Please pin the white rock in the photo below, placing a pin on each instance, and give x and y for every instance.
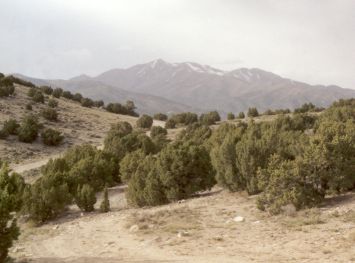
(55, 227)
(134, 228)
(238, 219)
(182, 234)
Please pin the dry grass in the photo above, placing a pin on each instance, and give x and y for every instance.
(349, 217)
(304, 218)
(167, 220)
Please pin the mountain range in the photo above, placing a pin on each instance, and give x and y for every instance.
(159, 86)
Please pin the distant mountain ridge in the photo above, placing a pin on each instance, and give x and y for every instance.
(175, 87)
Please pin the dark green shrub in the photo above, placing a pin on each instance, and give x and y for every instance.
(241, 115)
(77, 97)
(170, 124)
(68, 95)
(184, 118)
(6, 91)
(57, 92)
(28, 130)
(269, 112)
(118, 108)
(13, 184)
(105, 204)
(29, 106)
(51, 137)
(196, 132)
(99, 103)
(118, 130)
(9, 200)
(3, 134)
(145, 122)
(253, 112)
(144, 187)
(184, 169)
(334, 141)
(160, 117)
(223, 158)
(31, 92)
(129, 164)
(306, 107)
(38, 97)
(90, 166)
(86, 102)
(288, 182)
(47, 198)
(210, 118)
(52, 103)
(46, 90)
(11, 126)
(157, 131)
(10, 80)
(85, 198)
(230, 116)
(49, 114)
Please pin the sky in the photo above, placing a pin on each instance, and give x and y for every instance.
(306, 40)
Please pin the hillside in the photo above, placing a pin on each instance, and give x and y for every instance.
(176, 87)
(96, 89)
(78, 125)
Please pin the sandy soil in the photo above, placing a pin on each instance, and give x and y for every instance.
(201, 229)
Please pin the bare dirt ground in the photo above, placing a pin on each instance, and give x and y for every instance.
(201, 229)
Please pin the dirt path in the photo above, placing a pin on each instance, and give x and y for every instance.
(196, 230)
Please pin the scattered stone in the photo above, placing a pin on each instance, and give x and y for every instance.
(55, 227)
(181, 201)
(238, 219)
(182, 234)
(256, 222)
(134, 228)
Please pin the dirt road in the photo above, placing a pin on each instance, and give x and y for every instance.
(198, 230)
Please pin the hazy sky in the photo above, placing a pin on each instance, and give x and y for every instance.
(307, 40)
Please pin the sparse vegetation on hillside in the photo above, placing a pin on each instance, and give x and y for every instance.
(253, 112)
(52, 103)
(145, 122)
(230, 116)
(160, 117)
(6, 86)
(210, 118)
(49, 114)
(118, 108)
(11, 126)
(308, 107)
(38, 97)
(51, 137)
(28, 130)
(57, 92)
